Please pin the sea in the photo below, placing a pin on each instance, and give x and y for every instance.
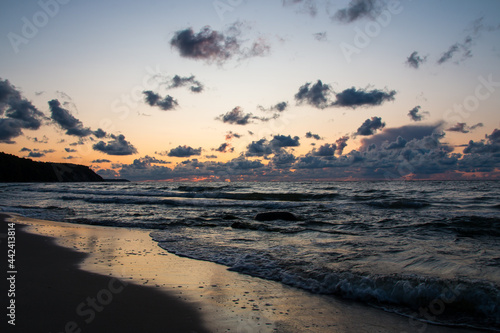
(424, 249)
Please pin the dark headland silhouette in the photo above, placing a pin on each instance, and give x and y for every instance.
(17, 169)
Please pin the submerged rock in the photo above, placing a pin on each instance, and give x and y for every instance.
(271, 216)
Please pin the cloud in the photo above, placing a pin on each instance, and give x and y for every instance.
(230, 135)
(459, 127)
(408, 132)
(416, 115)
(225, 148)
(310, 135)
(278, 107)
(463, 128)
(353, 97)
(482, 156)
(418, 153)
(118, 146)
(464, 48)
(446, 56)
(70, 150)
(184, 151)
(359, 9)
(316, 95)
(179, 81)
(18, 113)
(213, 46)
(263, 147)
(325, 150)
(99, 133)
(259, 148)
(36, 153)
(321, 36)
(414, 60)
(101, 161)
(283, 159)
(237, 116)
(370, 126)
(67, 121)
(308, 6)
(282, 141)
(341, 144)
(154, 99)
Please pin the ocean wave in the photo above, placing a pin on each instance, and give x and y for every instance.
(399, 204)
(450, 301)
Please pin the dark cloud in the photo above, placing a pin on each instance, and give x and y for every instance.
(278, 107)
(408, 132)
(310, 135)
(282, 141)
(259, 148)
(154, 99)
(325, 150)
(225, 148)
(414, 60)
(399, 143)
(416, 115)
(44, 139)
(353, 97)
(317, 95)
(70, 150)
(341, 144)
(36, 153)
(214, 46)
(179, 81)
(230, 135)
(463, 128)
(464, 48)
(99, 133)
(459, 127)
(359, 9)
(321, 36)
(283, 159)
(101, 161)
(370, 126)
(482, 156)
(118, 146)
(306, 6)
(18, 113)
(67, 121)
(446, 56)
(184, 151)
(473, 127)
(411, 156)
(237, 116)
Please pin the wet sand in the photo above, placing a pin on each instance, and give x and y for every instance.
(77, 277)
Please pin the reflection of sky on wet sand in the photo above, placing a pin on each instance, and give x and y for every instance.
(227, 299)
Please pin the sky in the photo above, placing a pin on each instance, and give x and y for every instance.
(255, 90)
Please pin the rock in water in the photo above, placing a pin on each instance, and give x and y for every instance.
(271, 216)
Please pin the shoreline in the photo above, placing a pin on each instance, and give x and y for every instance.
(206, 295)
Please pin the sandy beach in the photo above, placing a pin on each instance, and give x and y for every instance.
(80, 278)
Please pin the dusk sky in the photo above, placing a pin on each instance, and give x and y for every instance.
(254, 89)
